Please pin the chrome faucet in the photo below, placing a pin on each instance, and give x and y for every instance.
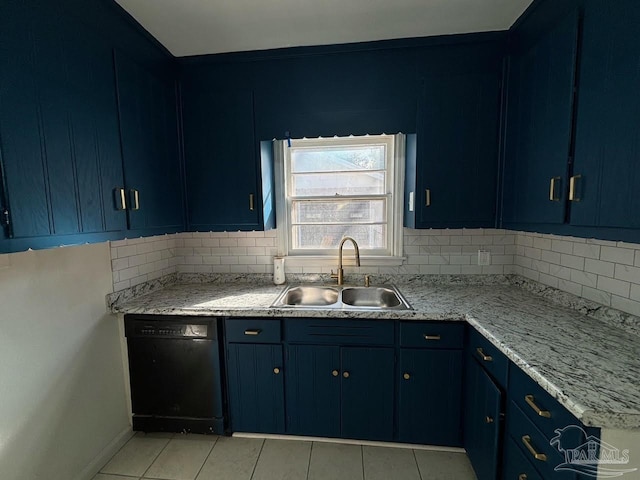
(340, 274)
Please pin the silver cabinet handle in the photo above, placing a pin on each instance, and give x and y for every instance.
(552, 189)
(431, 337)
(572, 188)
(120, 193)
(252, 201)
(253, 331)
(427, 197)
(136, 199)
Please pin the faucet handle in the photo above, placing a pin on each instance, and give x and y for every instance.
(367, 281)
(333, 275)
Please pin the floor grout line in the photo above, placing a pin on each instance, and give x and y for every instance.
(158, 455)
(362, 461)
(415, 459)
(253, 472)
(309, 462)
(207, 457)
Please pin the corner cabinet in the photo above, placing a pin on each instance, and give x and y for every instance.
(539, 124)
(606, 170)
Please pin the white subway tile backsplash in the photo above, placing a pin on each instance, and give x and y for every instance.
(549, 280)
(627, 273)
(450, 269)
(596, 295)
(126, 251)
(635, 293)
(637, 262)
(616, 287)
(586, 250)
(562, 246)
(551, 257)
(617, 255)
(571, 261)
(571, 287)
(599, 267)
(584, 278)
(559, 271)
(542, 243)
(626, 305)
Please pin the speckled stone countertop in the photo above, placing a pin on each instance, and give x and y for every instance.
(590, 366)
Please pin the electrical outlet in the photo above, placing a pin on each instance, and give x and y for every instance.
(484, 257)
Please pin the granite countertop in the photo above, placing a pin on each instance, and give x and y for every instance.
(590, 366)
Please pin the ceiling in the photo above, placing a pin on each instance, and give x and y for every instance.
(196, 27)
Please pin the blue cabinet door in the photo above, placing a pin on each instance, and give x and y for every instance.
(539, 124)
(367, 393)
(457, 156)
(607, 150)
(149, 132)
(256, 387)
(220, 160)
(482, 421)
(430, 397)
(58, 124)
(313, 390)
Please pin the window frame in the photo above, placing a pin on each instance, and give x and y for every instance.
(394, 194)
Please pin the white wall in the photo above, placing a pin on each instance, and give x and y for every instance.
(62, 396)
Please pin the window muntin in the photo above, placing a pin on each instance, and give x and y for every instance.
(340, 187)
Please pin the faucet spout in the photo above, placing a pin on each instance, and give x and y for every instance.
(340, 274)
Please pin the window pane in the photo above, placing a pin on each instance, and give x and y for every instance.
(315, 237)
(343, 158)
(329, 184)
(339, 211)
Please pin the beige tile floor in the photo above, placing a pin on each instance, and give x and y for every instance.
(200, 457)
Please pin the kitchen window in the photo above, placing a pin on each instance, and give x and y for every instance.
(341, 186)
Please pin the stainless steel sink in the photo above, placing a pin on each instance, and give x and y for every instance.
(385, 297)
(309, 296)
(378, 297)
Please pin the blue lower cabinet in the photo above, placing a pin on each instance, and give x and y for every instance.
(482, 421)
(430, 397)
(516, 465)
(313, 380)
(255, 376)
(367, 393)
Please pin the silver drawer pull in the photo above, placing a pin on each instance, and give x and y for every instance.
(254, 331)
(431, 337)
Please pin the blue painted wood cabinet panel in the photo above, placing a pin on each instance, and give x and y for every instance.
(147, 107)
(430, 397)
(256, 387)
(539, 124)
(457, 150)
(482, 421)
(58, 124)
(221, 160)
(607, 150)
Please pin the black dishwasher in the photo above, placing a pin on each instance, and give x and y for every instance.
(175, 374)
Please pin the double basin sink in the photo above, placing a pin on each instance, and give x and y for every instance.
(385, 297)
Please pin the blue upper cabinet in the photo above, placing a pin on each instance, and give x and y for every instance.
(539, 121)
(58, 125)
(60, 131)
(149, 131)
(457, 150)
(221, 159)
(606, 171)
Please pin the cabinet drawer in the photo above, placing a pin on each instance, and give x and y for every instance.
(432, 334)
(339, 331)
(532, 442)
(541, 408)
(489, 357)
(516, 465)
(250, 330)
